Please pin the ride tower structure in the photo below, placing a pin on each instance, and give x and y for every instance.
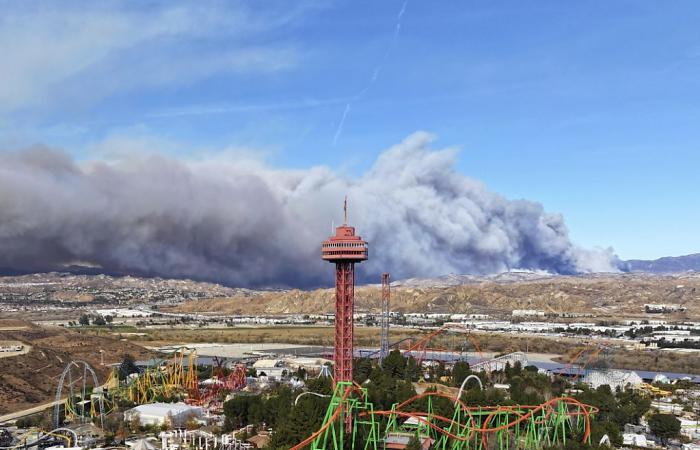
(386, 298)
(345, 249)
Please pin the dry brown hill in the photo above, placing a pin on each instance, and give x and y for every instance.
(31, 379)
(602, 295)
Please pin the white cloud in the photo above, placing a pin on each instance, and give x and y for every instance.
(93, 49)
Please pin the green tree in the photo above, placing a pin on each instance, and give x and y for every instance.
(633, 405)
(460, 371)
(665, 426)
(99, 320)
(413, 372)
(600, 429)
(127, 367)
(109, 318)
(239, 411)
(362, 368)
(395, 364)
(84, 320)
(300, 421)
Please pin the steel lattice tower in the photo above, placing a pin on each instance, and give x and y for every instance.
(386, 297)
(344, 249)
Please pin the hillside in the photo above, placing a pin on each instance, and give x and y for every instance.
(600, 294)
(603, 295)
(30, 379)
(668, 264)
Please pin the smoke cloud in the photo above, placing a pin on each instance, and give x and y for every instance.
(246, 224)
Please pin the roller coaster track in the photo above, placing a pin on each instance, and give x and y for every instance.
(530, 423)
(419, 348)
(86, 368)
(593, 349)
(525, 426)
(56, 433)
(500, 362)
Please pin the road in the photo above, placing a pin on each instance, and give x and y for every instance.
(28, 412)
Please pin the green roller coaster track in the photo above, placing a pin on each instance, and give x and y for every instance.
(468, 428)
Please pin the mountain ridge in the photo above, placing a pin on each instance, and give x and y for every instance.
(666, 264)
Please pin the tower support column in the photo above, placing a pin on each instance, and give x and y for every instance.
(386, 294)
(344, 309)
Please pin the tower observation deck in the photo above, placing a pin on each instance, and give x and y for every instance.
(344, 249)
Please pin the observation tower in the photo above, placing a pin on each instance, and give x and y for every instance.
(344, 249)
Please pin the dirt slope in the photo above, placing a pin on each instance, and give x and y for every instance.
(602, 295)
(31, 379)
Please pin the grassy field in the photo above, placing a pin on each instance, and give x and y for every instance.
(369, 337)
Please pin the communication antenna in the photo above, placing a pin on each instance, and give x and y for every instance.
(345, 210)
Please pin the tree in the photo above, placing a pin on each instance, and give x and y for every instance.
(413, 372)
(84, 320)
(127, 367)
(460, 371)
(109, 318)
(135, 422)
(600, 429)
(665, 426)
(362, 369)
(99, 320)
(395, 364)
(122, 433)
(191, 422)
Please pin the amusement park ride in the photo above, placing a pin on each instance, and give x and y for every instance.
(351, 420)
(178, 378)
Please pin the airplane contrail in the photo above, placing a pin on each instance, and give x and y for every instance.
(375, 74)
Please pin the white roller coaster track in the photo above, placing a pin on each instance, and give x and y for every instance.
(61, 381)
(500, 362)
(46, 435)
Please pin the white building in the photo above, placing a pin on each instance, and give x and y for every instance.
(156, 414)
(527, 313)
(663, 308)
(272, 368)
(11, 347)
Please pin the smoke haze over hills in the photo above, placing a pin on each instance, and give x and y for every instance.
(244, 223)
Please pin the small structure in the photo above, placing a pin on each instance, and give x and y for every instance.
(662, 308)
(527, 313)
(400, 440)
(271, 368)
(11, 346)
(634, 439)
(157, 414)
(260, 440)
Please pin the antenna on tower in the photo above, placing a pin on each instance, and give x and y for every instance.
(345, 210)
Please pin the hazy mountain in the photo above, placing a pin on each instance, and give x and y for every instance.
(667, 264)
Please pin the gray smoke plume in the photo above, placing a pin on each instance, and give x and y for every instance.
(245, 224)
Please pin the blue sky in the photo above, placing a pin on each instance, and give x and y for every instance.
(591, 107)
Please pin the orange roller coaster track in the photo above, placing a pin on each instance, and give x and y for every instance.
(420, 348)
(521, 426)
